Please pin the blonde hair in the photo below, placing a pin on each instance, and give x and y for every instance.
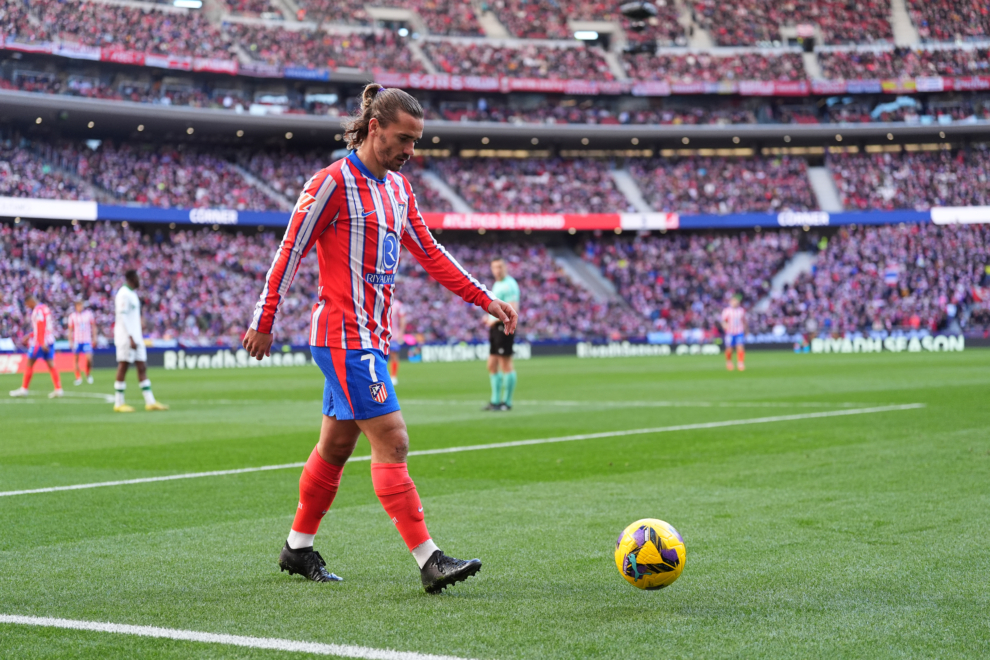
(383, 104)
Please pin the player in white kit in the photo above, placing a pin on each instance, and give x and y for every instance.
(129, 340)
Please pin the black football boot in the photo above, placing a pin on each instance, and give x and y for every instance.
(441, 571)
(307, 563)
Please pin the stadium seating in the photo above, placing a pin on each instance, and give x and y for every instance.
(752, 22)
(713, 68)
(288, 173)
(904, 62)
(534, 185)
(113, 26)
(366, 51)
(547, 19)
(723, 185)
(883, 278)
(913, 180)
(681, 282)
(528, 61)
(199, 286)
(253, 8)
(947, 20)
(23, 174)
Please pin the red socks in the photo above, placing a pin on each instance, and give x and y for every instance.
(398, 496)
(393, 368)
(27, 378)
(56, 379)
(317, 488)
(740, 355)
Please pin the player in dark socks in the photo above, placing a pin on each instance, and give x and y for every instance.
(441, 571)
(305, 562)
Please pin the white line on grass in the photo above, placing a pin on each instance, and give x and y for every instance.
(653, 404)
(494, 445)
(270, 643)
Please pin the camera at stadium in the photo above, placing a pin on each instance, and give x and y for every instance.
(364, 330)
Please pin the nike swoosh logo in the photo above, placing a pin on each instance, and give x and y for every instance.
(367, 213)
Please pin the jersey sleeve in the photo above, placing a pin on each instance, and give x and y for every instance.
(317, 208)
(437, 261)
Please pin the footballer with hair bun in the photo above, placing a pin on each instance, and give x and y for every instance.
(357, 213)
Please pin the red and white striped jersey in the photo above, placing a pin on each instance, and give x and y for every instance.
(41, 325)
(81, 326)
(357, 223)
(734, 320)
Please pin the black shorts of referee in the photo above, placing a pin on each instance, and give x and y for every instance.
(500, 344)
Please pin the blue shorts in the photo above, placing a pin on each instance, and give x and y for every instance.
(733, 341)
(357, 383)
(84, 347)
(38, 353)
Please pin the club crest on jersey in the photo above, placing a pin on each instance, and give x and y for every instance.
(304, 203)
(378, 392)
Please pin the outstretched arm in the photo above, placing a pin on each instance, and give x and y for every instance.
(313, 212)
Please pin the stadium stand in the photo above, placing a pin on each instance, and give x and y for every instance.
(724, 185)
(547, 19)
(917, 180)
(114, 26)
(904, 62)
(526, 61)
(532, 185)
(948, 20)
(891, 277)
(199, 286)
(22, 174)
(753, 22)
(681, 282)
(252, 8)
(287, 173)
(714, 68)
(312, 48)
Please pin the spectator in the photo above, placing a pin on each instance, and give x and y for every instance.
(527, 61)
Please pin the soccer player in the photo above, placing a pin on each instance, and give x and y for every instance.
(129, 340)
(42, 346)
(734, 327)
(356, 213)
(399, 314)
(81, 324)
(501, 372)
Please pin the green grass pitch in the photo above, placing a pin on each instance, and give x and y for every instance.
(861, 536)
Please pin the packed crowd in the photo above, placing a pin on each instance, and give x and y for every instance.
(589, 112)
(449, 17)
(528, 61)
(694, 67)
(23, 174)
(380, 50)
(162, 32)
(253, 8)
(948, 20)
(200, 286)
(913, 180)
(548, 19)
(882, 278)
(533, 185)
(682, 282)
(750, 22)
(724, 185)
(904, 62)
(552, 306)
(287, 173)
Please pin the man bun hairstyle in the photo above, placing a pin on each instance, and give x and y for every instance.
(383, 104)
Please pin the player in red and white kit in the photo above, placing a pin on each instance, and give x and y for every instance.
(356, 213)
(81, 331)
(734, 328)
(42, 346)
(399, 320)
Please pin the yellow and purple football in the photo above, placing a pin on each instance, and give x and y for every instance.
(650, 554)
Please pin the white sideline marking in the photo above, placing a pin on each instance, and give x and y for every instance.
(270, 643)
(494, 445)
(653, 404)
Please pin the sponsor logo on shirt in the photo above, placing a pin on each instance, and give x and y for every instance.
(380, 278)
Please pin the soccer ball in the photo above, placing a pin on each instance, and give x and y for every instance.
(650, 554)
